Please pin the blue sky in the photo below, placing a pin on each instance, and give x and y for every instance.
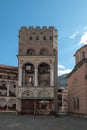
(69, 17)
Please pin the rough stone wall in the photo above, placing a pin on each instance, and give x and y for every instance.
(37, 38)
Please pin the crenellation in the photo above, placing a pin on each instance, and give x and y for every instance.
(32, 28)
(51, 27)
(38, 27)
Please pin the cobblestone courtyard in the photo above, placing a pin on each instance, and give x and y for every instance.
(13, 122)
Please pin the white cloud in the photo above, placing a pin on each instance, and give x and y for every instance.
(83, 39)
(66, 71)
(74, 35)
(61, 67)
(62, 70)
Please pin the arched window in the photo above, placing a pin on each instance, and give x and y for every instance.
(44, 74)
(43, 51)
(28, 74)
(30, 52)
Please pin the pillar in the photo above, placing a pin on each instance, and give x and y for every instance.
(8, 85)
(20, 77)
(52, 77)
(36, 77)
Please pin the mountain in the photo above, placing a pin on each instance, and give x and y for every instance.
(62, 81)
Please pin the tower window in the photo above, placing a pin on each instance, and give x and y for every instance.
(30, 37)
(37, 38)
(30, 52)
(43, 51)
(51, 37)
(44, 38)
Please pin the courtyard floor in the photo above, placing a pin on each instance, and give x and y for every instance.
(10, 121)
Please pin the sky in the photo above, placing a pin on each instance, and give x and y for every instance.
(69, 17)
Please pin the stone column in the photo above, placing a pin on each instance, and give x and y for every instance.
(8, 85)
(52, 77)
(36, 77)
(20, 76)
(18, 106)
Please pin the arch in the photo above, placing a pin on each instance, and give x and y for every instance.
(28, 74)
(44, 64)
(3, 83)
(44, 74)
(3, 103)
(30, 52)
(44, 93)
(44, 51)
(27, 93)
(27, 63)
(12, 104)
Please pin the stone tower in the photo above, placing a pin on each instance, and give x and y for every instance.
(37, 70)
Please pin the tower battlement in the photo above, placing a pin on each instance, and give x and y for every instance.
(32, 28)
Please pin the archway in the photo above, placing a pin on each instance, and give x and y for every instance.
(44, 74)
(12, 104)
(28, 74)
(3, 104)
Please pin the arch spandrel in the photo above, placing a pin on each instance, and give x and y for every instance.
(44, 94)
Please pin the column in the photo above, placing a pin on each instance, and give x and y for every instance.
(52, 77)
(8, 85)
(36, 77)
(20, 77)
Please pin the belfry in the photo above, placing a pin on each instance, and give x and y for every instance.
(37, 70)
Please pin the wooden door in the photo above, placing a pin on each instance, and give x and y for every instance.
(27, 106)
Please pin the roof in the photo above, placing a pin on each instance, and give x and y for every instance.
(8, 66)
(80, 49)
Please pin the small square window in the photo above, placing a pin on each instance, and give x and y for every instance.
(44, 38)
(30, 37)
(51, 37)
(37, 38)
